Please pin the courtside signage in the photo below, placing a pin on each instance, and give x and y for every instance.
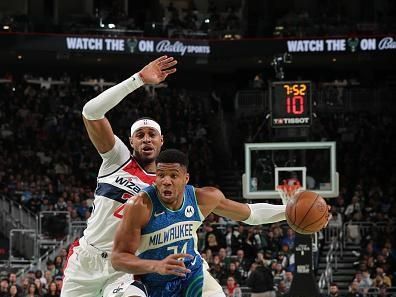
(122, 45)
(351, 44)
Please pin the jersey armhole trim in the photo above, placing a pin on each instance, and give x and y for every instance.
(108, 174)
(196, 201)
(152, 204)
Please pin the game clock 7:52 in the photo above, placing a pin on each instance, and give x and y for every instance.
(291, 104)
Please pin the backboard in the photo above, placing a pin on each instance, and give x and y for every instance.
(312, 164)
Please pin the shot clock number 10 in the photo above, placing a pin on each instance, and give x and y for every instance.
(291, 104)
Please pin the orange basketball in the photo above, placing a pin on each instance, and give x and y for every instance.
(306, 212)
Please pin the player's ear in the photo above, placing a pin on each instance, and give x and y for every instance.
(130, 140)
(187, 177)
(162, 140)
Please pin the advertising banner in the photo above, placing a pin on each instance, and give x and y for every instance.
(194, 48)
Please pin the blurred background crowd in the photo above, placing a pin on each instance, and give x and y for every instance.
(231, 19)
(48, 164)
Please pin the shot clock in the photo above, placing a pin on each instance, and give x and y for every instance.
(291, 104)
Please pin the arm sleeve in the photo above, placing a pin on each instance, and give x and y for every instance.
(265, 213)
(96, 108)
(113, 159)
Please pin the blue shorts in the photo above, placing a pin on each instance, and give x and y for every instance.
(189, 286)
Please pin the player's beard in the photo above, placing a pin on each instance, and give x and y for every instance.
(143, 159)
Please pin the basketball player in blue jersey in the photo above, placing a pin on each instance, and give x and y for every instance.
(88, 272)
(157, 237)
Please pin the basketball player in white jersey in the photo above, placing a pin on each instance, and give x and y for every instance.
(159, 227)
(88, 272)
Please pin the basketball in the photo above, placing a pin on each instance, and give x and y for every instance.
(306, 212)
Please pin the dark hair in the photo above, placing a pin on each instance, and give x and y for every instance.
(172, 156)
(145, 118)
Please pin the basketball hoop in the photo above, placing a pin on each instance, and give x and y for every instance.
(287, 191)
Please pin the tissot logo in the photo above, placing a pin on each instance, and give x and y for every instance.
(189, 212)
(296, 121)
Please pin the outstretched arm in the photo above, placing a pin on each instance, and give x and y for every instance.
(97, 125)
(127, 241)
(213, 200)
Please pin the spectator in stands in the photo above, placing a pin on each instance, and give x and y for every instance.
(13, 291)
(250, 246)
(12, 280)
(261, 282)
(224, 259)
(32, 291)
(282, 290)
(209, 256)
(25, 281)
(232, 288)
(212, 243)
(289, 239)
(288, 279)
(61, 204)
(238, 239)
(273, 242)
(365, 282)
(244, 263)
(48, 277)
(217, 272)
(354, 290)
(354, 210)
(58, 262)
(279, 274)
(383, 292)
(336, 220)
(51, 267)
(4, 287)
(386, 279)
(59, 282)
(334, 291)
(233, 271)
(52, 290)
(40, 288)
(39, 275)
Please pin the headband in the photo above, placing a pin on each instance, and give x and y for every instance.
(145, 123)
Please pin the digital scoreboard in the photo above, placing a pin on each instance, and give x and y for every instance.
(291, 104)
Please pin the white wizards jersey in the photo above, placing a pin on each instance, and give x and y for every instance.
(116, 183)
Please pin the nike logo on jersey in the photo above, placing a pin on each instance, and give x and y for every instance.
(158, 213)
(193, 261)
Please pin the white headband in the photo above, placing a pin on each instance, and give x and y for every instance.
(145, 123)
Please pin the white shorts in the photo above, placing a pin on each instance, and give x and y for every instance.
(89, 273)
(211, 287)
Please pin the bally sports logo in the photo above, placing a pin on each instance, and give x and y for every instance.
(175, 47)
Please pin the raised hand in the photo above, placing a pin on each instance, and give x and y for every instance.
(157, 71)
(173, 265)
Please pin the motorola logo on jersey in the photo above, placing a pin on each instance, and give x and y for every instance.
(189, 212)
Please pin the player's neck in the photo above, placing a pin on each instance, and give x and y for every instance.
(175, 205)
(148, 166)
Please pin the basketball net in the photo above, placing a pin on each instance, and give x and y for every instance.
(288, 190)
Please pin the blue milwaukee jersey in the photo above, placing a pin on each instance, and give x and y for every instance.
(169, 232)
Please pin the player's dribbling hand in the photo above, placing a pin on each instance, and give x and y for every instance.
(174, 265)
(157, 71)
